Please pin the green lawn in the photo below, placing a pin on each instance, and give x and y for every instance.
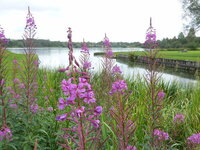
(190, 55)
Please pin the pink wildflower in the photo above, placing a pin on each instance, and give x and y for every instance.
(49, 109)
(95, 123)
(116, 70)
(194, 139)
(84, 47)
(62, 117)
(13, 105)
(119, 86)
(161, 95)
(131, 147)
(160, 135)
(109, 53)
(5, 133)
(179, 118)
(15, 61)
(98, 110)
(87, 65)
(34, 108)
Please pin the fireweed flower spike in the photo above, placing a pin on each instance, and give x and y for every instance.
(119, 86)
(156, 96)
(159, 138)
(80, 98)
(121, 114)
(160, 135)
(151, 37)
(179, 118)
(72, 59)
(5, 132)
(107, 46)
(161, 95)
(193, 141)
(3, 39)
(85, 57)
(73, 63)
(107, 65)
(116, 70)
(131, 147)
(30, 63)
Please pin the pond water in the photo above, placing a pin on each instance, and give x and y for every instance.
(58, 57)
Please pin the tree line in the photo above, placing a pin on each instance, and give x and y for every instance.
(190, 41)
(48, 43)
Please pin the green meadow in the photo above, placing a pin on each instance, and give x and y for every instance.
(179, 55)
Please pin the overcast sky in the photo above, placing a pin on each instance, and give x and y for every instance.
(121, 20)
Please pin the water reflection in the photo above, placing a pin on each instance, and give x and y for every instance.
(56, 57)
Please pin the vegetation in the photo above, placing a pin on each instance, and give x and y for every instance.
(192, 13)
(48, 43)
(190, 55)
(46, 131)
(190, 41)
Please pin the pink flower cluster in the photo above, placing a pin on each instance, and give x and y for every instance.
(119, 86)
(84, 48)
(5, 133)
(34, 108)
(84, 59)
(87, 65)
(107, 45)
(150, 37)
(116, 70)
(106, 42)
(194, 139)
(109, 53)
(78, 92)
(179, 118)
(3, 39)
(15, 94)
(131, 147)
(160, 135)
(30, 22)
(161, 95)
(82, 90)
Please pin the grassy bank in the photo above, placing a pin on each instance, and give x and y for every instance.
(189, 55)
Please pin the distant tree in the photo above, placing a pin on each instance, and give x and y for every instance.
(191, 37)
(181, 36)
(182, 40)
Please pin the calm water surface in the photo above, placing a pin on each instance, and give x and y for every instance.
(57, 57)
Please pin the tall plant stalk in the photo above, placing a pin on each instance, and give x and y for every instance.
(30, 63)
(121, 114)
(155, 94)
(81, 113)
(5, 132)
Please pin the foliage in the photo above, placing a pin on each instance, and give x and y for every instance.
(189, 55)
(192, 12)
(48, 43)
